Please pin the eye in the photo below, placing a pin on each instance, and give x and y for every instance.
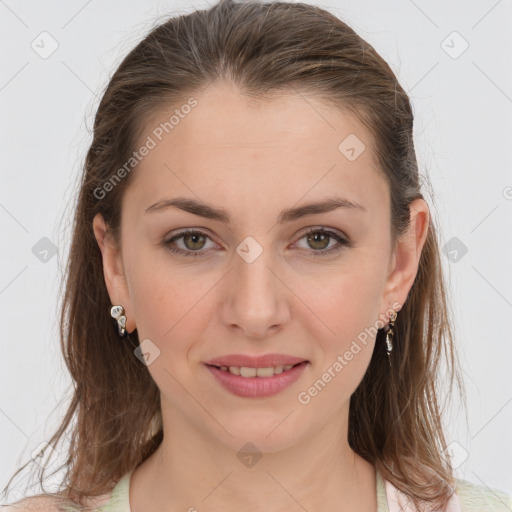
(319, 239)
(192, 239)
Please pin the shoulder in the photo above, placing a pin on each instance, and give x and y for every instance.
(474, 497)
(33, 504)
(43, 503)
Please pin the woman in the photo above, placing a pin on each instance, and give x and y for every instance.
(255, 312)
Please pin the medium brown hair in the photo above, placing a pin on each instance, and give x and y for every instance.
(264, 49)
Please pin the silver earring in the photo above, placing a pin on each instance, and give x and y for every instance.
(389, 334)
(117, 312)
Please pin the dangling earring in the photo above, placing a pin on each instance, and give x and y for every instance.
(117, 312)
(389, 334)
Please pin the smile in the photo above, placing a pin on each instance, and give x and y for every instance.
(247, 371)
(252, 382)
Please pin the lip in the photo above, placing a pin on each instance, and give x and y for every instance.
(263, 361)
(257, 387)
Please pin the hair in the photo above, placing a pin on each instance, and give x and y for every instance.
(264, 49)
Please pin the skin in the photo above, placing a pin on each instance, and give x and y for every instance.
(255, 159)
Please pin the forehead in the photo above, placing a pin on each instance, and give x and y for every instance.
(280, 150)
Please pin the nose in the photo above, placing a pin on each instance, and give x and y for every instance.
(255, 297)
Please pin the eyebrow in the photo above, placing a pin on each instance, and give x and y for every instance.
(221, 215)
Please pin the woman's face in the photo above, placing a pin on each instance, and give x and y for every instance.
(254, 282)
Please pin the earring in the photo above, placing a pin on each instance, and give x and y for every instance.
(389, 334)
(117, 312)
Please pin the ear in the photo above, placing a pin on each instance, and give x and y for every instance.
(406, 256)
(113, 270)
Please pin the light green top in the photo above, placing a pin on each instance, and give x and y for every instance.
(470, 496)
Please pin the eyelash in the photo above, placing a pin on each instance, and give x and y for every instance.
(341, 241)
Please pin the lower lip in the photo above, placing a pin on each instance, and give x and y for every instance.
(256, 387)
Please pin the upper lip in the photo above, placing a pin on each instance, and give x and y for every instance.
(264, 361)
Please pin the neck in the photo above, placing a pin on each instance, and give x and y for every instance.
(191, 470)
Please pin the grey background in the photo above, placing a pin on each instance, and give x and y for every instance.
(463, 126)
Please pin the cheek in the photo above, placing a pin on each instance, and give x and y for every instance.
(345, 303)
(169, 305)
(344, 340)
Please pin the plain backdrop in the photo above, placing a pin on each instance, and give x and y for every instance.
(452, 57)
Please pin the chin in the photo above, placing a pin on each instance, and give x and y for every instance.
(271, 435)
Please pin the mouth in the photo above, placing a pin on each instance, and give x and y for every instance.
(256, 382)
(250, 372)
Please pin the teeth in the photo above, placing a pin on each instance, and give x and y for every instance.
(235, 370)
(246, 371)
(249, 372)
